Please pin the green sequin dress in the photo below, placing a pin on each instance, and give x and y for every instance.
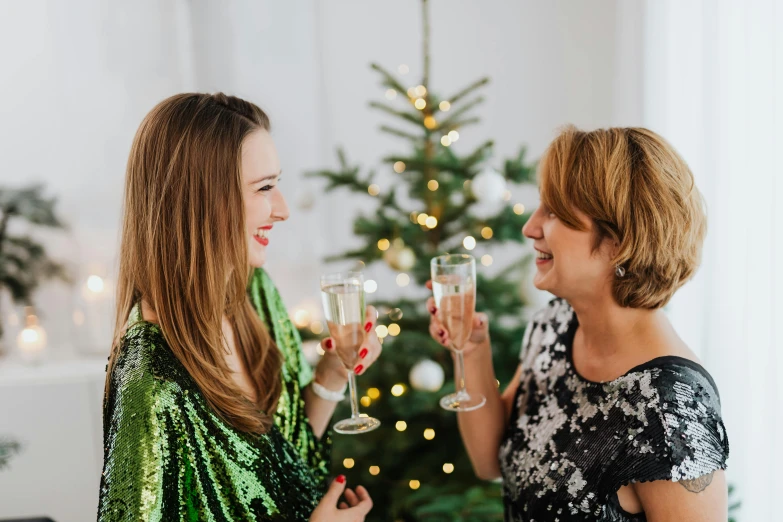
(169, 457)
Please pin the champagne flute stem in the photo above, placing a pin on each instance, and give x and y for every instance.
(460, 376)
(352, 392)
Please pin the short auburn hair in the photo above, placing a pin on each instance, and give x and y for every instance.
(638, 192)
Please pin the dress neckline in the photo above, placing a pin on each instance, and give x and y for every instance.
(567, 339)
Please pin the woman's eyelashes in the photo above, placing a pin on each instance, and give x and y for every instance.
(266, 188)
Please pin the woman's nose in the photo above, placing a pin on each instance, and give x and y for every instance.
(532, 229)
(280, 209)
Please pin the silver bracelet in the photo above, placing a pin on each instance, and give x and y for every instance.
(329, 395)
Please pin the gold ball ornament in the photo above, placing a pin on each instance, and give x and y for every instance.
(400, 258)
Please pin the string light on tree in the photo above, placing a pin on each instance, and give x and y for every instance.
(429, 434)
(444, 106)
(399, 257)
(373, 393)
(519, 209)
(411, 92)
(317, 327)
(414, 484)
(433, 185)
(348, 463)
(427, 375)
(403, 280)
(448, 468)
(469, 243)
(374, 189)
(486, 233)
(445, 141)
(374, 470)
(430, 122)
(420, 104)
(421, 90)
(453, 136)
(366, 401)
(401, 425)
(302, 318)
(370, 286)
(421, 219)
(398, 389)
(431, 222)
(399, 167)
(394, 329)
(395, 314)
(486, 260)
(382, 331)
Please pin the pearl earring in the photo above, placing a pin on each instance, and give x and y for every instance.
(619, 271)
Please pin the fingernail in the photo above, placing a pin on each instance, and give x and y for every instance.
(368, 327)
(433, 310)
(441, 332)
(358, 369)
(328, 344)
(340, 479)
(363, 353)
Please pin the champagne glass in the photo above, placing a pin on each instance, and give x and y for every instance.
(343, 299)
(454, 289)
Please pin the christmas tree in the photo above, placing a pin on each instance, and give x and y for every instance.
(24, 264)
(414, 465)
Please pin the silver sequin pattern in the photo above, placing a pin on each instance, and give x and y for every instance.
(572, 443)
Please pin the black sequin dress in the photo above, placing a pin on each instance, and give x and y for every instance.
(572, 443)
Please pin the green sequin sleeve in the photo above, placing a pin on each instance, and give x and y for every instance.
(168, 457)
(297, 375)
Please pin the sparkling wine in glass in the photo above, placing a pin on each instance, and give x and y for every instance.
(344, 306)
(454, 289)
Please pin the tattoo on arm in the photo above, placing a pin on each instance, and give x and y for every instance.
(697, 485)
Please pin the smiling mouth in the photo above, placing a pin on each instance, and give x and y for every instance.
(262, 236)
(543, 255)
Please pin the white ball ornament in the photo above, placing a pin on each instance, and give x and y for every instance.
(488, 186)
(426, 375)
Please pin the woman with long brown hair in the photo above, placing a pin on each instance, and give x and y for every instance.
(210, 411)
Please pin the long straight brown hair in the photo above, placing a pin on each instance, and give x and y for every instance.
(184, 249)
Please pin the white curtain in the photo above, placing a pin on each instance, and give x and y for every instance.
(713, 72)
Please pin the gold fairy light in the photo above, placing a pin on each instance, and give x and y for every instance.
(430, 122)
(366, 401)
(403, 280)
(373, 393)
(370, 286)
(412, 92)
(431, 222)
(519, 209)
(348, 463)
(422, 219)
(433, 185)
(445, 141)
(383, 244)
(414, 217)
(317, 327)
(448, 467)
(374, 189)
(399, 167)
(429, 434)
(302, 318)
(486, 260)
(469, 242)
(444, 106)
(453, 136)
(486, 233)
(414, 484)
(374, 470)
(382, 331)
(421, 90)
(420, 103)
(394, 329)
(398, 389)
(401, 425)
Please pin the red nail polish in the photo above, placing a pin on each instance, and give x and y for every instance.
(363, 353)
(368, 327)
(441, 333)
(340, 479)
(433, 310)
(328, 344)
(358, 369)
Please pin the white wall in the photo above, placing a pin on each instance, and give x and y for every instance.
(78, 77)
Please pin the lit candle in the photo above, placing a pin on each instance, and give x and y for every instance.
(31, 340)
